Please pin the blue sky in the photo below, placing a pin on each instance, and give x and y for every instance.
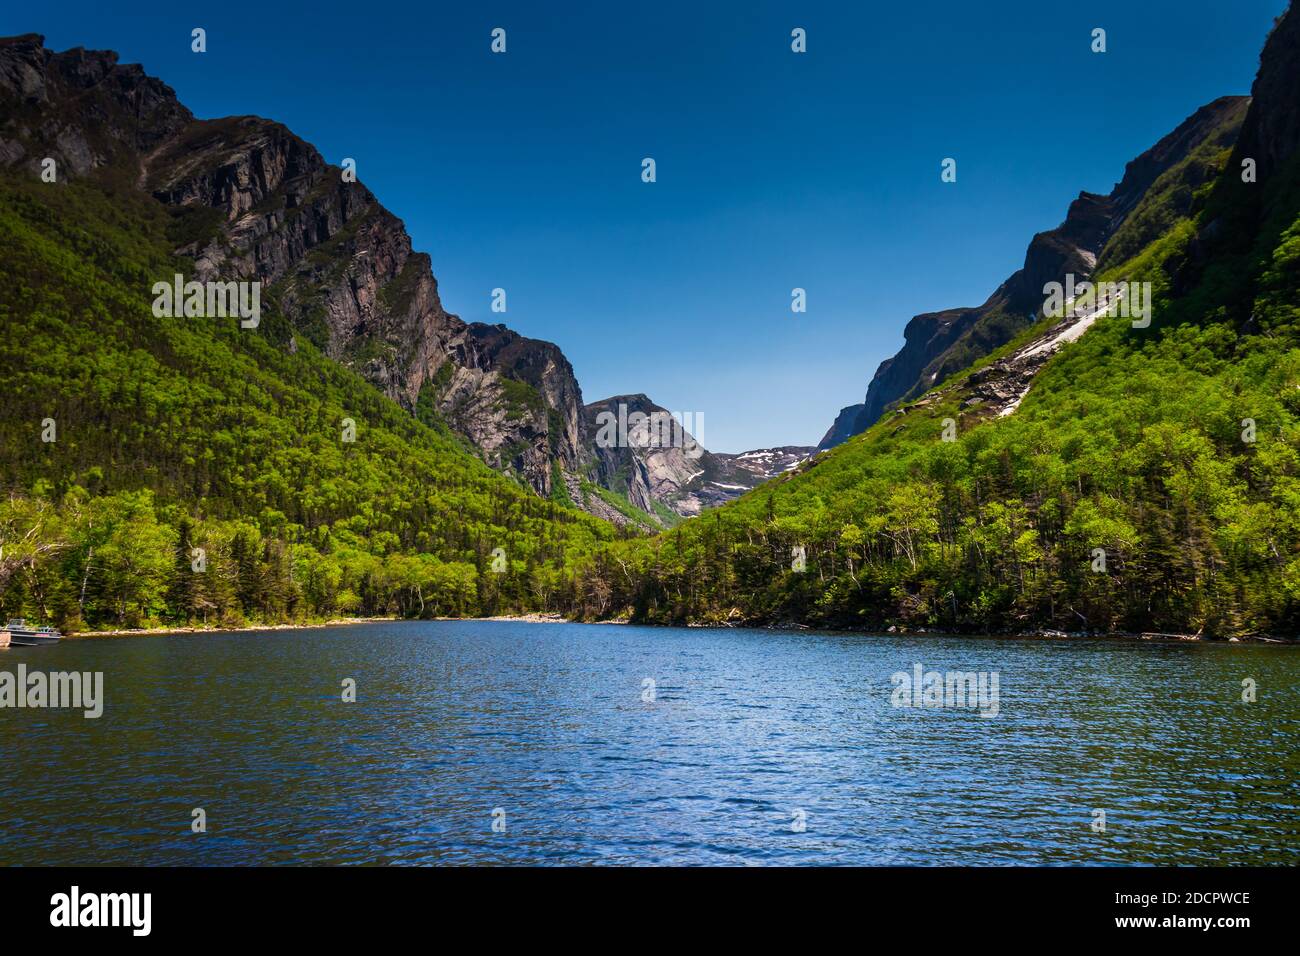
(775, 170)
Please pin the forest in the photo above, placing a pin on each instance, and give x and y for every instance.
(161, 471)
(1149, 481)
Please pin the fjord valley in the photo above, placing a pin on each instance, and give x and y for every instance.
(357, 450)
(608, 600)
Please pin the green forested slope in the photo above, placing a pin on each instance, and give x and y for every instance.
(173, 434)
(1130, 440)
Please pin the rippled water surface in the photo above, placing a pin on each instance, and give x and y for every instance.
(746, 729)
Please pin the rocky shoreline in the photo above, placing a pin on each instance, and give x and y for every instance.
(529, 618)
(147, 631)
(1034, 634)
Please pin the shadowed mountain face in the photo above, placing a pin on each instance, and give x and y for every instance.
(843, 428)
(1096, 232)
(1271, 132)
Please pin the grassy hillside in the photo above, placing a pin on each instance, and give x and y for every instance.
(1130, 441)
(175, 434)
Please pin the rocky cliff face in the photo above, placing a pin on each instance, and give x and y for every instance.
(1271, 131)
(643, 453)
(252, 201)
(1241, 208)
(939, 344)
(661, 465)
(81, 108)
(842, 429)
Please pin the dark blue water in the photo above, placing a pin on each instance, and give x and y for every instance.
(749, 732)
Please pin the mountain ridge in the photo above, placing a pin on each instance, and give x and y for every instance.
(938, 344)
(254, 201)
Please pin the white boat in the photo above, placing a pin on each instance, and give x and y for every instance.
(22, 634)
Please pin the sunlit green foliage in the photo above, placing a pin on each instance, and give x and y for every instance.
(176, 434)
(1131, 441)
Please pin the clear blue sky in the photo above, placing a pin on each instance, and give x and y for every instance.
(775, 170)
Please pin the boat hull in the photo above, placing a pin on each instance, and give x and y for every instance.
(29, 639)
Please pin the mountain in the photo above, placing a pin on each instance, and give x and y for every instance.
(1097, 231)
(251, 470)
(250, 200)
(1097, 472)
(1081, 473)
(661, 469)
(749, 469)
(162, 467)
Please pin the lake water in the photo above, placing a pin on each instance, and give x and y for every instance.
(752, 747)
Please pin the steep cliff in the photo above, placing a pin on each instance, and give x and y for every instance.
(251, 200)
(1271, 131)
(1097, 231)
(843, 428)
(643, 453)
(1095, 474)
